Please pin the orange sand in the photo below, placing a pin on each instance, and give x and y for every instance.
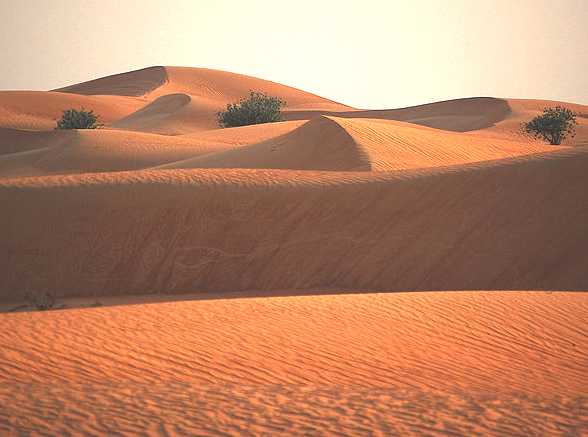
(460, 363)
(445, 196)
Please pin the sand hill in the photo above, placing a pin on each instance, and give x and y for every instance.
(265, 227)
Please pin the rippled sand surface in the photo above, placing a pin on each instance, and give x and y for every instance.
(433, 363)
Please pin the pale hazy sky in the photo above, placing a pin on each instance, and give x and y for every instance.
(368, 54)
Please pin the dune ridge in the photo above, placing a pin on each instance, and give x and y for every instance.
(344, 144)
(135, 83)
(319, 144)
(85, 151)
(39, 110)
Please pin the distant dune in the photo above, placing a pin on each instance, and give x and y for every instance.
(133, 83)
(38, 110)
(266, 227)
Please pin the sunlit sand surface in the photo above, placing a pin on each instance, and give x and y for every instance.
(408, 363)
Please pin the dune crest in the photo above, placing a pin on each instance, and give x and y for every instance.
(135, 83)
(346, 144)
(320, 144)
(40, 110)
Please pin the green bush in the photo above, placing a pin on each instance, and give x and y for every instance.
(554, 125)
(74, 119)
(257, 108)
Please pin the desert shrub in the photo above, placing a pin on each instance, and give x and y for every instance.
(40, 301)
(74, 119)
(554, 125)
(255, 109)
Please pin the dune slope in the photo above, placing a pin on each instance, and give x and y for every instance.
(39, 110)
(343, 144)
(320, 144)
(89, 151)
(39, 153)
(455, 115)
(279, 236)
(481, 226)
(133, 83)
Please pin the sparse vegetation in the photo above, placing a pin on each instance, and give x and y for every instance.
(40, 301)
(74, 119)
(554, 125)
(256, 109)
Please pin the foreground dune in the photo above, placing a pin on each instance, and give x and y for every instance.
(445, 363)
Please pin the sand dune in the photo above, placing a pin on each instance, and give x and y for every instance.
(224, 87)
(133, 83)
(492, 363)
(525, 110)
(17, 141)
(456, 115)
(281, 234)
(38, 110)
(184, 100)
(102, 150)
(343, 144)
(40, 153)
(489, 117)
(320, 144)
(192, 96)
(173, 114)
(480, 226)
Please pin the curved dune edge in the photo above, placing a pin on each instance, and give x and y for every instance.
(129, 97)
(319, 144)
(344, 144)
(475, 362)
(454, 115)
(156, 111)
(31, 153)
(18, 141)
(209, 91)
(479, 226)
(100, 150)
(40, 110)
(133, 83)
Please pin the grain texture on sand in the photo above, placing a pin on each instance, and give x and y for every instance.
(435, 363)
(506, 224)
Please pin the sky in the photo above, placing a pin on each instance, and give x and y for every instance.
(365, 53)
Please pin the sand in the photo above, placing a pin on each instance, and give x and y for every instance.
(434, 363)
(280, 237)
